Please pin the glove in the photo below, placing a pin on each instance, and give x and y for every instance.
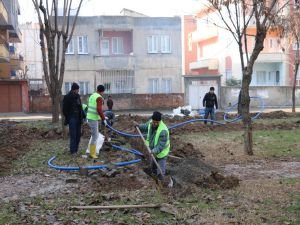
(106, 118)
(153, 151)
(105, 122)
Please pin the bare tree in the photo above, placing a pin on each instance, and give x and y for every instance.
(237, 16)
(291, 32)
(56, 32)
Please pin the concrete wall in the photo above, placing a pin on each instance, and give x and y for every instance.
(42, 104)
(273, 96)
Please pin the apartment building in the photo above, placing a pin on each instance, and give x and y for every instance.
(31, 50)
(217, 57)
(10, 34)
(13, 92)
(128, 54)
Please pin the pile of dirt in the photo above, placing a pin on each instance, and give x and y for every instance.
(275, 115)
(197, 172)
(14, 142)
(183, 149)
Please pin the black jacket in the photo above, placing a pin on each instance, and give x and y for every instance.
(72, 107)
(210, 100)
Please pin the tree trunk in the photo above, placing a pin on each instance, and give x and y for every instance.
(294, 92)
(245, 110)
(294, 85)
(55, 108)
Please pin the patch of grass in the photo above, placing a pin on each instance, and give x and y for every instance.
(294, 207)
(278, 143)
(8, 215)
(290, 181)
(268, 143)
(40, 151)
(40, 124)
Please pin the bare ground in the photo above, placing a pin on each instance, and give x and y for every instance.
(230, 167)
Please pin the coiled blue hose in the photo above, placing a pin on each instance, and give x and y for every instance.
(136, 152)
(125, 163)
(262, 105)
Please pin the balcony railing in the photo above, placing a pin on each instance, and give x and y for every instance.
(4, 53)
(16, 62)
(115, 62)
(270, 57)
(15, 35)
(210, 63)
(206, 33)
(3, 14)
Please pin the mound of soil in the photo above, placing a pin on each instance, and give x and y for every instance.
(14, 142)
(196, 171)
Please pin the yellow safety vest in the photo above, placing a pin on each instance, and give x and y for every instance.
(162, 126)
(92, 113)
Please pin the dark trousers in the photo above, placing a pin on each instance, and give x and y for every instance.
(162, 163)
(75, 133)
(209, 111)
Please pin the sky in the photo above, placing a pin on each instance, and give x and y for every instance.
(113, 7)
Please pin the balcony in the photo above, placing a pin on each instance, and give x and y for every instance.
(15, 36)
(207, 33)
(4, 53)
(16, 62)
(3, 14)
(270, 57)
(115, 62)
(210, 63)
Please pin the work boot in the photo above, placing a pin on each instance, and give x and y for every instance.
(93, 151)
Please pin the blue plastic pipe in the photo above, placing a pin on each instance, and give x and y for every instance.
(124, 163)
(262, 105)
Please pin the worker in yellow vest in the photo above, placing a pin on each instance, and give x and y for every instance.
(158, 140)
(94, 114)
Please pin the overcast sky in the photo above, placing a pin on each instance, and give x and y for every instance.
(113, 7)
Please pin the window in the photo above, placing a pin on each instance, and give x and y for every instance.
(84, 87)
(165, 44)
(166, 86)
(117, 45)
(261, 77)
(228, 74)
(82, 45)
(68, 86)
(158, 44)
(70, 48)
(153, 42)
(104, 45)
(107, 87)
(117, 81)
(153, 86)
(32, 71)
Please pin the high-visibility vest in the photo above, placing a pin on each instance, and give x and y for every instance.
(162, 126)
(92, 113)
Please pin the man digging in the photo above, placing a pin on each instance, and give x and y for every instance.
(158, 141)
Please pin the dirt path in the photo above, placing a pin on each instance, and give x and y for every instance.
(20, 186)
(17, 187)
(264, 169)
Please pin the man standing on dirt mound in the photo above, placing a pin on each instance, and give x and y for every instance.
(94, 114)
(72, 110)
(209, 101)
(158, 140)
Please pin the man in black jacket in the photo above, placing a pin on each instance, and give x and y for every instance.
(209, 101)
(72, 110)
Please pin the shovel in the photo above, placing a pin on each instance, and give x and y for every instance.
(149, 151)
